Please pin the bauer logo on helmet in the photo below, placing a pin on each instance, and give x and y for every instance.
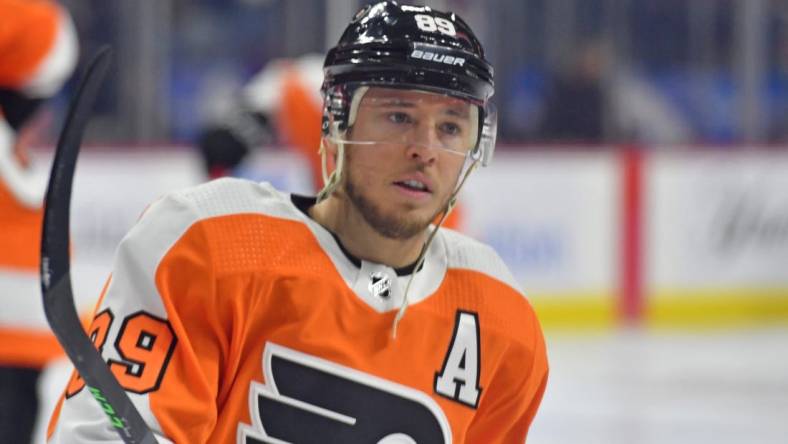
(437, 58)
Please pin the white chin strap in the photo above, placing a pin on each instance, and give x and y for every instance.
(331, 181)
(423, 254)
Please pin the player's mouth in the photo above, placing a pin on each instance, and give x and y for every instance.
(413, 187)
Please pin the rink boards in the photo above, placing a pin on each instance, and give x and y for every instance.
(596, 238)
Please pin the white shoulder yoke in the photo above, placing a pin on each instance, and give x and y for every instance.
(170, 217)
(465, 252)
(227, 196)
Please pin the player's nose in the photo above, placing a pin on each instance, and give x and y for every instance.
(424, 143)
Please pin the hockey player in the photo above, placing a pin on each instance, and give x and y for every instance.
(282, 102)
(240, 313)
(37, 54)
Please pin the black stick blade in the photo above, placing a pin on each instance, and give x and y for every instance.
(58, 295)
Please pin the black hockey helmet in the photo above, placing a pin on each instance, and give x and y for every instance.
(409, 47)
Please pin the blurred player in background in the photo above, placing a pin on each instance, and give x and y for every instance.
(281, 103)
(38, 52)
(239, 313)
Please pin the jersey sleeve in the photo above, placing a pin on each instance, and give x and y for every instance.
(160, 330)
(516, 392)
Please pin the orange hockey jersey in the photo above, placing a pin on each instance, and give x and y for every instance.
(232, 317)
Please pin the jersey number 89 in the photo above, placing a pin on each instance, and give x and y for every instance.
(145, 345)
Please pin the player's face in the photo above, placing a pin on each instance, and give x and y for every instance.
(410, 149)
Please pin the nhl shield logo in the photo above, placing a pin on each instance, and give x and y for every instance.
(379, 284)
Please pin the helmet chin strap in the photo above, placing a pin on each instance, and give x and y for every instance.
(423, 253)
(331, 181)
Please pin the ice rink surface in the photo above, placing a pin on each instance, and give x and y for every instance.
(638, 387)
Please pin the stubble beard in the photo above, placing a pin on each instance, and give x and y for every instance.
(392, 225)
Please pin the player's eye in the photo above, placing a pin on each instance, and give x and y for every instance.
(399, 117)
(450, 129)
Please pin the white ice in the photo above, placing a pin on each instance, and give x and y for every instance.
(639, 387)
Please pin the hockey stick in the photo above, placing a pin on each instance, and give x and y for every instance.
(55, 263)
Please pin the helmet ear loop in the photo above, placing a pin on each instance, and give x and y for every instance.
(487, 136)
(330, 181)
(450, 204)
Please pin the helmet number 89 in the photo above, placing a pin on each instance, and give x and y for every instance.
(428, 23)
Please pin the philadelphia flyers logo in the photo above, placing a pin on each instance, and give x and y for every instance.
(309, 400)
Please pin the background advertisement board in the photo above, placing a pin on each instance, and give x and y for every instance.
(713, 240)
